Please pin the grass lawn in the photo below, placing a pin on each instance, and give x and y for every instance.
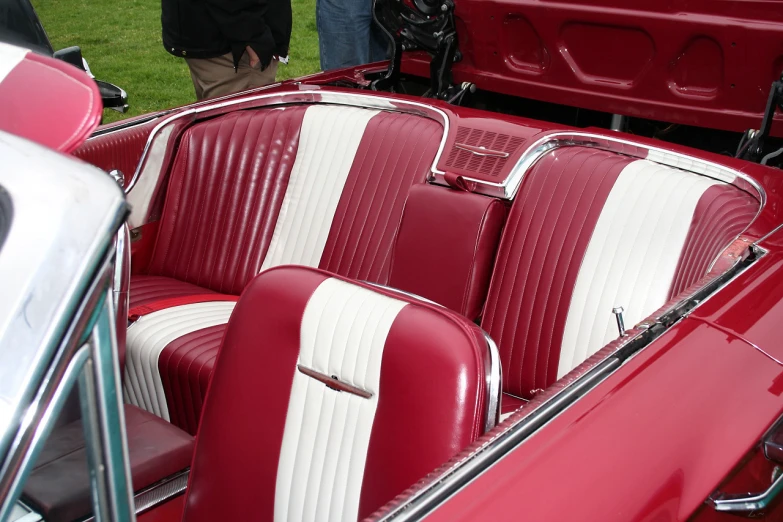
(122, 43)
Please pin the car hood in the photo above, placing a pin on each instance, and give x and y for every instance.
(694, 62)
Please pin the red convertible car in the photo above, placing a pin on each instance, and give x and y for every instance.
(530, 268)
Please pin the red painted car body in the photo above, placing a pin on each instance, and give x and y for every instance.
(660, 435)
(685, 416)
(702, 63)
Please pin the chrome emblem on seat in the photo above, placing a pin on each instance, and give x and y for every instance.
(334, 383)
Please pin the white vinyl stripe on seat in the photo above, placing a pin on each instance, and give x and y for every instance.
(147, 338)
(327, 433)
(632, 255)
(10, 57)
(328, 142)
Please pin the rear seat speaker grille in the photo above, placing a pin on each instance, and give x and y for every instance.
(499, 148)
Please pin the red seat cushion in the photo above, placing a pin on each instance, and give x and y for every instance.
(323, 399)
(59, 486)
(148, 289)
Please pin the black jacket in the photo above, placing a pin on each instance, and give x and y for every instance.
(210, 28)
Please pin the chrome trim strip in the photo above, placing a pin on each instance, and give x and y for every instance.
(508, 188)
(310, 96)
(452, 480)
(480, 151)
(333, 382)
(159, 492)
(108, 405)
(494, 383)
(748, 504)
(128, 125)
(41, 412)
(463, 472)
(162, 491)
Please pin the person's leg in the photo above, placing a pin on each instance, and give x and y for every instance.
(343, 32)
(196, 82)
(258, 78)
(215, 77)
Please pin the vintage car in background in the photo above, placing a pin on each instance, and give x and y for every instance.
(529, 269)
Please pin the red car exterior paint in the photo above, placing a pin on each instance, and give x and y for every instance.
(702, 63)
(657, 437)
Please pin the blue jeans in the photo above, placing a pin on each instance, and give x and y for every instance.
(347, 34)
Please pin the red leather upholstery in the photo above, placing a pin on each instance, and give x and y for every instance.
(419, 420)
(156, 448)
(146, 289)
(185, 368)
(722, 214)
(120, 149)
(446, 247)
(396, 151)
(546, 235)
(225, 192)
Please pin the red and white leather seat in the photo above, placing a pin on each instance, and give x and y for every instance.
(331, 397)
(318, 185)
(590, 230)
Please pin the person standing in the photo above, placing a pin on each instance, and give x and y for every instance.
(229, 45)
(347, 33)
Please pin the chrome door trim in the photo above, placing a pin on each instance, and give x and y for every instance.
(440, 488)
(105, 409)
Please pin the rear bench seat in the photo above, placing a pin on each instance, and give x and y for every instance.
(590, 230)
(321, 186)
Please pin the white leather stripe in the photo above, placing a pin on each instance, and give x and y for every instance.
(140, 196)
(10, 57)
(147, 338)
(328, 142)
(327, 433)
(632, 255)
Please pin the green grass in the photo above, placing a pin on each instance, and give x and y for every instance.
(122, 43)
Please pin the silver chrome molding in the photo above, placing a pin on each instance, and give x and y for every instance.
(494, 374)
(461, 473)
(494, 384)
(509, 187)
(310, 94)
(159, 492)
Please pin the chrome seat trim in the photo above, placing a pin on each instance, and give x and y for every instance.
(308, 94)
(508, 188)
(494, 374)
